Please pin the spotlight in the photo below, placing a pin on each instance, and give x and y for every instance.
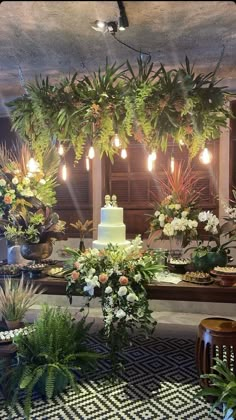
(104, 27)
(100, 26)
(123, 22)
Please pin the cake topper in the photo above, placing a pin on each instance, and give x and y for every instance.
(110, 201)
(114, 201)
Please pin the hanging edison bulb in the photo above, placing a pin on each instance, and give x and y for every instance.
(123, 153)
(154, 155)
(64, 172)
(172, 164)
(150, 163)
(91, 152)
(205, 156)
(116, 140)
(87, 163)
(61, 150)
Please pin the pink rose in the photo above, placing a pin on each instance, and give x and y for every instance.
(7, 199)
(123, 280)
(75, 275)
(77, 265)
(103, 277)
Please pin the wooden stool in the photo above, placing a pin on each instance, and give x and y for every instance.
(216, 338)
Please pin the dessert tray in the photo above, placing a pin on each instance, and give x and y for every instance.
(197, 277)
(57, 272)
(224, 276)
(10, 270)
(8, 335)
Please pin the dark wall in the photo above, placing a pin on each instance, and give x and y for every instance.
(6, 135)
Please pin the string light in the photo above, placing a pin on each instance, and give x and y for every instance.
(61, 150)
(205, 156)
(64, 172)
(181, 142)
(33, 166)
(91, 152)
(123, 153)
(154, 155)
(150, 163)
(87, 163)
(172, 164)
(116, 140)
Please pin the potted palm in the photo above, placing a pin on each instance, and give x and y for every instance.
(51, 357)
(15, 300)
(222, 388)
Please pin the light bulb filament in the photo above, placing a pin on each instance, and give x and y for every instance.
(64, 172)
(123, 153)
(91, 152)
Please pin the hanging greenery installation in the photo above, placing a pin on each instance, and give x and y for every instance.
(151, 106)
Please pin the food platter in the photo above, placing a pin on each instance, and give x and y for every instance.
(57, 272)
(197, 277)
(226, 278)
(10, 270)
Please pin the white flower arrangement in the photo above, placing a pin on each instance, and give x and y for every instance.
(118, 275)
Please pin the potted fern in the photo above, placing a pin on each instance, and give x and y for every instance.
(15, 300)
(222, 388)
(50, 357)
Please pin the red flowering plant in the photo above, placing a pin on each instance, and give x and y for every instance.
(120, 274)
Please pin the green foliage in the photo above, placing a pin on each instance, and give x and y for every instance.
(16, 298)
(150, 105)
(222, 387)
(50, 357)
(38, 227)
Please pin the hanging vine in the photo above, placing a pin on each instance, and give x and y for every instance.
(150, 106)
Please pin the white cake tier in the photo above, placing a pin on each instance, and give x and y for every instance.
(102, 245)
(111, 233)
(111, 215)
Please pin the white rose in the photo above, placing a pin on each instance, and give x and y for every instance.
(2, 182)
(122, 291)
(42, 181)
(177, 206)
(15, 180)
(184, 214)
(120, 313)
(137, 277)
(157, 213)
(132, 297)
(108, 290)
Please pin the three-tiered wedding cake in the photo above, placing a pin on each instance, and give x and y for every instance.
(111, 229)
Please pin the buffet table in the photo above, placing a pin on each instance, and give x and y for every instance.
(163, 291)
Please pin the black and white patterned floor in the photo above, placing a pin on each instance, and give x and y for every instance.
(159, 383)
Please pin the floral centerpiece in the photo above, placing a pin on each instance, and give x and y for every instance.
(24, 181)
(120, 275)
(215, 250)
(176, 215)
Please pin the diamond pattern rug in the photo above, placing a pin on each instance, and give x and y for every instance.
(159, 383)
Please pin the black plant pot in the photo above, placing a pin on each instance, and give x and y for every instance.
(36, 252)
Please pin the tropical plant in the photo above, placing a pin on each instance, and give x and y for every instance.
(83, 228)
(120, 274)
(51, 357)
(22, 187)
(151, 105)
(16, 297)
(176, 215)
(38, 227)
(222, 388)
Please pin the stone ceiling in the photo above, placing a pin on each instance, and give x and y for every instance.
(55, 38)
